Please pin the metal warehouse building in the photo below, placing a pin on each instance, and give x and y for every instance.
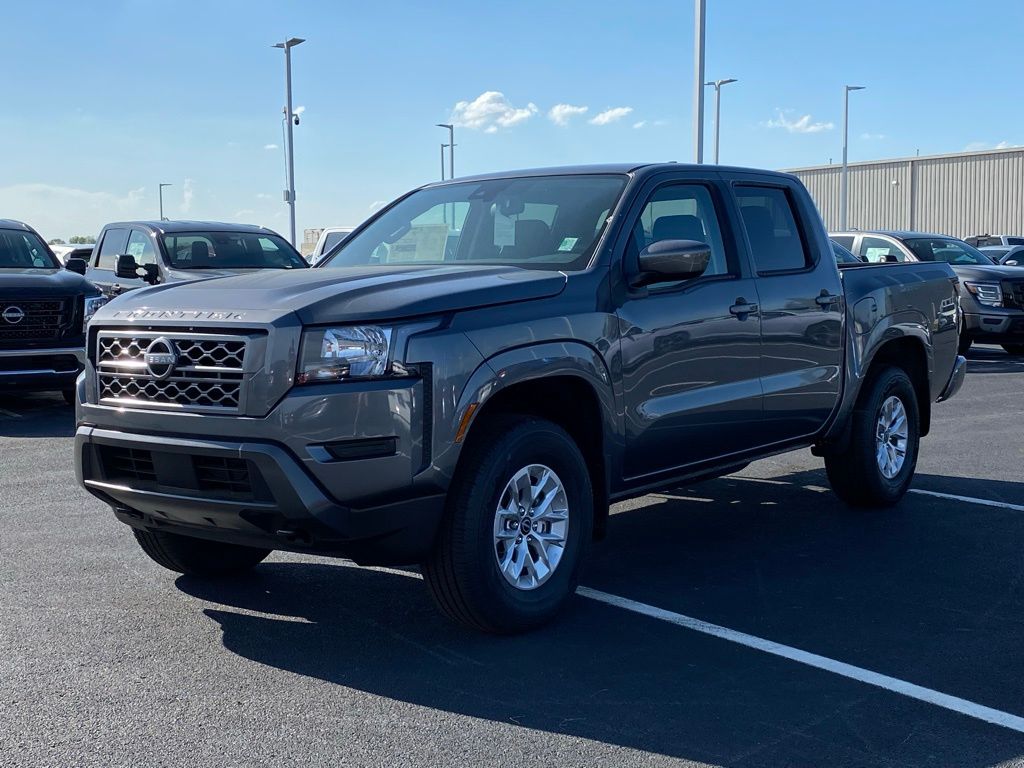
(962, 194)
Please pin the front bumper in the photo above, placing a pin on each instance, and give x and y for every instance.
(249, 493)
(995, 326)
(40, 369)
(956, 379)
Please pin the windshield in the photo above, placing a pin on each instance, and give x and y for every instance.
(946, 249)
(20, 249)
(230, 250)
(545, 222)
(333, 238)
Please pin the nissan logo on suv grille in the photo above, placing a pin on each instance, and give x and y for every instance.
(13, 315)
(161, 357)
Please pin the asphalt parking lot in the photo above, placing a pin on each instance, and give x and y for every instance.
(839, 638)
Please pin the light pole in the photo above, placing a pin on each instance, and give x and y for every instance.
(289, 194)
(442, 160)
(451, 148)
(162, 200)
(718, 107)
(698, 80)
(843, 181)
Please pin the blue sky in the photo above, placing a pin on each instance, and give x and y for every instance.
(104, 100)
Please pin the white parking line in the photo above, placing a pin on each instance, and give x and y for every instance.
(970, 499)
(953, 703)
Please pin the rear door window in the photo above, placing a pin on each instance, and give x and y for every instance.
(776, 242)
(141, 247)
(879, 251)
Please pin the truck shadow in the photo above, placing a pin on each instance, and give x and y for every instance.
(887, 591)
(43, 414)
(989, 359)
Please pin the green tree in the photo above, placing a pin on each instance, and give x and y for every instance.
(82, 239)
(56, 241)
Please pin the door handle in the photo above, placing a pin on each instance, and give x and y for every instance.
(741, 309)
(827, 300)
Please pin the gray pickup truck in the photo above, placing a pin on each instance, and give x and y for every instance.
(474, 407)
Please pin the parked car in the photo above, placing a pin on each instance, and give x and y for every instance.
(992, 297)
(329, 238)
(1008, 255)
(844, 255)
(132, 254)
(76, 251)
(43, 312)
(596, 333)
(980, 241)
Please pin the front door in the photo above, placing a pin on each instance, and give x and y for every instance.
(103, 270)
(689, 351)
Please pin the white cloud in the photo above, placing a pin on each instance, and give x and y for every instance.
(298, 110)
(263, 196)
(490, 111)
(978, 146)
(58, 211)
(244, 213)
(270, 146)
(376, 205)
(639, 123)
(561, 113)
(802, 124)
(872, 136)
(610, 115)
(186, 196)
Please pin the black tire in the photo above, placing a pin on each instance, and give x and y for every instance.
(855, 475)
(198, 557)
(965, 344)
(463, 573)
(1014, 349)
(69, 396)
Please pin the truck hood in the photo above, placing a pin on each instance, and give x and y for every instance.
(987, 272)
(46, 282)
(347, 293)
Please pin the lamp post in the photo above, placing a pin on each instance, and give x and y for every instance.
(698, 81)
(289, 194)
(718, 107)
(161, 186)
(843, 180)
(451, 148)
(443, 145)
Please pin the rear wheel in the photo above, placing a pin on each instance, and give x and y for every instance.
(520, 514)
(876, 468)
(1014, 349)
(198, 557)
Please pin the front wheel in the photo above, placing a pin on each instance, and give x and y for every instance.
(198, 557)
(1014, 349)
(877, 466)
(519, 517)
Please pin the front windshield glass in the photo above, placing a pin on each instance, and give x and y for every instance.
(20, 249)
(230, 250)
(944, 249)
(543, 222)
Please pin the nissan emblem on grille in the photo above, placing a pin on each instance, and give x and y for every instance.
(161, 357)
(13, 315)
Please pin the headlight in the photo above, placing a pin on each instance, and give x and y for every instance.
(989, 294)
(92, 303)
(341, 354)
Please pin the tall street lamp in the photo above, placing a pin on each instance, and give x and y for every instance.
(443, 147)
(162, 200)
(718, 107)
(289, 117)
(843, 180)
(698, 80)
(451, 148)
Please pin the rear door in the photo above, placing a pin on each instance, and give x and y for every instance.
(801, 297)
(102, 270)
(689, 351)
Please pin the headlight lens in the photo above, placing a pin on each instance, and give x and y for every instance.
(344, 353)
(989, 294)
(92, 303)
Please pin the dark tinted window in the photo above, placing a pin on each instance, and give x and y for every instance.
(230, 250)
(20, 249)
(843, 255)
(333, 238)
(844, 240)
(943, 249)
(775, 240)
(1015, 241)
(111, 247)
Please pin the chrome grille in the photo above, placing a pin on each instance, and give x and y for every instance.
(207, 372)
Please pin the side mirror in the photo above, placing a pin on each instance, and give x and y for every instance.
(76, 265)
(671, 260)
(890, 258)
(127, 267)
(152, 273)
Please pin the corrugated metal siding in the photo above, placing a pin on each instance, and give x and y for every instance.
(958, 195)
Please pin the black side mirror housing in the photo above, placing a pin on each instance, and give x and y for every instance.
(672, 260)
(127, 267)
(76, 265)
(890, 258)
